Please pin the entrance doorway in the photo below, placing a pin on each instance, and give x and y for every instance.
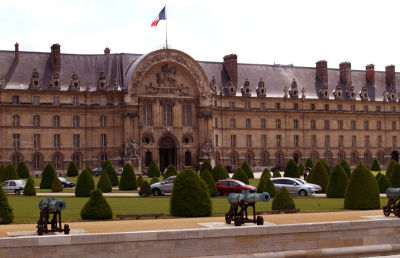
(167, 151)
(395, 155)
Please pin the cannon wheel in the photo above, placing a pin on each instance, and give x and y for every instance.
(40, 230)
(386, 211)
(228, 218)
(238, 221)
(66, 229)
(260, 220)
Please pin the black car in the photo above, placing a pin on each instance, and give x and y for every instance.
(97, 171)
(66, 183)
(231, 169)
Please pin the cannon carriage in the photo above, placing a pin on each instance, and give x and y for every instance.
(47, 207)
(393, 205)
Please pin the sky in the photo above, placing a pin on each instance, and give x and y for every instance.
(260, 32)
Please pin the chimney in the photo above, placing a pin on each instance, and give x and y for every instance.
(390, 76)
(345, 73)
(55, 57)
(370, 73)
(16, 52)
(322, 71)
(230, 66)
(107, 51)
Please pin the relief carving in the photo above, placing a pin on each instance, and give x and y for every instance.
(207, 149)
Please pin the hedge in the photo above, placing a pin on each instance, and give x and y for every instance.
(345, 165)
(29, 189)
(209, 180)
(145, 189)
(389, 168)
(240, 175)
(48, 176)
(309, 163)
(283, 200)
(206, 165)
(139, 180)
(72, 170)
(247, 169)
(276, 173)
(337, 183)
(291, 169)
(266, 174)
(97, 207)
(154, 170)
(6, 212)
(171, 171)
(395, 176)
(104, 183)
(375, 165)
(22, 170)
(9, 173)
(219, 172)
(383, 183)
(318, 175)
(128, 179)
(84, 184)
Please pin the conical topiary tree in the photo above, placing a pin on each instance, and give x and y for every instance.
(362, 191)
(190, 197)
(283, 200)
(270, 188)
(291, 169)
(301, 168)
(1, 173)
(262, 185)
(9, 173)
(266, 174)
(112, 174)
(395, 176)
(97, 207)
(128, 179)
(309, 163)
(247, 169)
(48, 176)
(375, 165)
(171, 171)
(326, 165)
(22, 170)
(276, 173)
(389, 168)
(85, 184)
(106, 164)
(29, 189)
(337, 183)
(206, 165)
(219, 172)
(104, 183)
(240, 175)
(72, 170)
(145, 189)
(90, 170)
(139, 180)
(6, 212)
(154, 170)
(345, 165)
(154, 180)
(209, 180)
(56, 186)
(383, 183)
(318, 175)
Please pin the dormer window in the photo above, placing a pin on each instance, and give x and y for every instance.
(35, 82)
(260, 89)
(102, 82)
(55, 81)
(294, 93)
(74, 83)
(246, 89)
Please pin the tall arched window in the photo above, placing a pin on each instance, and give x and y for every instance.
(36, 161)
(148, 157)
(15, 160)
(148, 115)
(76, 158)
(103, 158)
(167, 115)
(187, 115)
(354, 158)
(264, 159)
(233, 159)
(249, 158)
(188, 158)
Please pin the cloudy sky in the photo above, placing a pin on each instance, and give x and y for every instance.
(269, 31)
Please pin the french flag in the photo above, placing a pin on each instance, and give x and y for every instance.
(160, 16)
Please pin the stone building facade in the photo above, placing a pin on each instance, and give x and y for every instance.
(166, 106)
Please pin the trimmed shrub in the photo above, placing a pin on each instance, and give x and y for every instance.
(247, 169)
(104, 183)
(375, 165)
(112, 175)
(48, 176)
(22, 170)
(171, 171)
(139, 180)
(301, 168)
(154, 170)
(378, 176)
(106, 164)
(383, 183)
(128, 178)
(309, 163)
(219, 172)
(85, 184)
(97, 207)
(56, 186)
(190, 197)
(395, 176)
(6, 211)
(291, 169)
(276, 173)
(240, 175)
(318, 175)
(145, 189)
(29, 189)
(154, 180)
(262, 185)
(337, 183)
(90, 170)
(283, 200)
(362, 191)
(72, 170)
(206, 165)
(209, 180)
(345, 165)
(389, 168)
(266, 174)
(270, 188)
(9, 173)
(1, 172)
(326, 165)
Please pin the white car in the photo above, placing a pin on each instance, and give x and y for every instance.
(293, 186)
(14, 186)
(317, 188)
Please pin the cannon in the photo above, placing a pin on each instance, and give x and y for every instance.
(393, 204)
(47, 207)
(239, 204)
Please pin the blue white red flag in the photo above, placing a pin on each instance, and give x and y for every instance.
(160, 16)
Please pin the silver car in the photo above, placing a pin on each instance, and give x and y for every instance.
(317, 188)
(14, 186)
(163, 187)
(294, 186)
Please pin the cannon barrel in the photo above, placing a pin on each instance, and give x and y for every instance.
(247, 197)
(393, 193)
(52, 204)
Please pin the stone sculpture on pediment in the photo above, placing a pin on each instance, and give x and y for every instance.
(132, 148)
(294, 92)
(207, 149)
(261, 92)
(213, 85)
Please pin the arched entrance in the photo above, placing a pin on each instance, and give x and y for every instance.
(395, 155)
(167, 150)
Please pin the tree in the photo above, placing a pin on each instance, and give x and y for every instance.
(362, 191)
(48, 176)
(375, 165)
(171, 171)
(85, 184)
(247, 169)
(266, 174)
(29, 189)
(1, 172)
(90, 170)
(97, 207)
(240, 175)
(154, 170)
(345, 165)
(318, 175)
(22, 169)
(276, 173)
(395, 176)
(72, 170)
(206, 165)
(154, 180)
(110, 170)
(219, 172)
(389, 168)
(6, 212)
(283, 200)
(270, 188)
(337, 183)
(9, 173)
(106, 164)
(326, 165)
(104, 183)
(301, 169)
(56, 186)
(190, 197)
(262, 185)
(145, 189)
(140, 180)
(128, 178)
(309, 163)
(291, 169)
(383, 183)
(209, 180)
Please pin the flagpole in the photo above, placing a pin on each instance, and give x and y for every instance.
(166, 27)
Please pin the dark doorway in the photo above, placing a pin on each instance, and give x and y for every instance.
(167, 153)
(296, 157)
(395, 156)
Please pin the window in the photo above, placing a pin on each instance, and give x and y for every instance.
(233, 140)
(366, 141)
(232, 104)
(16, 120)
(248, 123)
(36, 141)
(326, 107)
(353, 141)
(365, 108)
(378, 108)
(247, 105)
(216, 140)
(148, 158)
(264, 140)
(313, 141)
(103, 140)
(56, 121)
(393, 125)
(36, 100)
(248, 141)
(353, 108)
(233, 123)
(188, 158)
(339, 108)
(16, 140)
(341, 139)
(366, 124)
(394, 141)
(327, 141)
(103, 121)
(233, 159)
(36, 161)
(277, 106)
(295, 106)
(340, 124)
(264, 159)
(393, 109)
(340, 156)
(262, 105)
(354, 158)
(312, 106)
(313, 124)
(75, 101)
(57, 141)
(148, 115)
(263, 124)
(167, 115)
(15, 99)
(15, 160)
(75, 121)
(57, 161)
(76, 139)
(56, 100)
(278, 141)
(249, 158)
(381, 157)
(187, 115)
(36, 120)
(296, 140)
(278, 123)
(296, 124)
(326, 124)
(378, 125)
(77, 160)
(353, 125)
(216, 122)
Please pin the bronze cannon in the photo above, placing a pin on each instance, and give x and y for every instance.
(393, 205)
(239, 204)
(51, 206)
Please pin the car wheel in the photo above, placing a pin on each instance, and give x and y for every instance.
(17, 192)
(156, 192)
(303, 193)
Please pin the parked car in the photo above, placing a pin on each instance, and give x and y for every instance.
(14, 186)
(227, 186)
(119, 171)
(317, 188)
(163, 187)
(280, 168)
(231, 169)
(97, 171)
(65, 182)
(293, 185)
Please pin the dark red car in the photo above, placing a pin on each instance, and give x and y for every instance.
(227, 186)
